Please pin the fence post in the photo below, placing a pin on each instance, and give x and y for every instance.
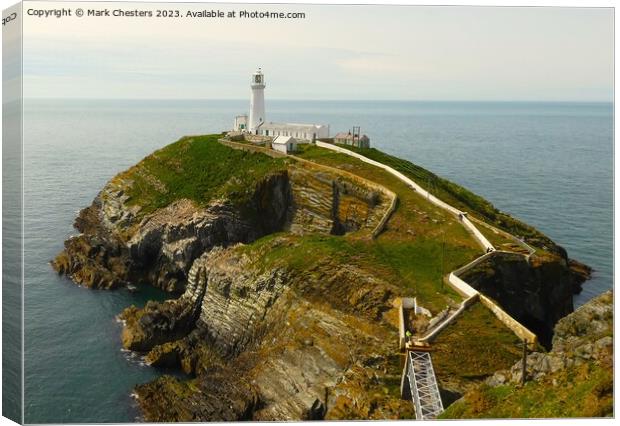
(524, 363)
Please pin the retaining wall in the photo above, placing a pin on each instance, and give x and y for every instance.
(517, 328)
(466, 290)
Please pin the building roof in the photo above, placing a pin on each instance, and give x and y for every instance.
(300, 127)
(283, 140)
(343, 135)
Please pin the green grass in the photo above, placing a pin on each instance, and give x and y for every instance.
(475, 346)
(582, 391)
(200, 169)
(414, 265)
(457, 196)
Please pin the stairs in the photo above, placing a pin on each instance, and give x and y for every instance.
(420, 385)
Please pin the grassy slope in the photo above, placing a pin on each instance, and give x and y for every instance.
(481, 339)
(583, 391)
(457, 196)
(477, 344)
(197, 168)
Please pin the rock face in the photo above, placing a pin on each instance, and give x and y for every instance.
(584, 335)
(292, 358)
(113, 250)
(536, 293)
(117, 245)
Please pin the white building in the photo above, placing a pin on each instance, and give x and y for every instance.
(306, 132)
(284, 144)
(256, 123)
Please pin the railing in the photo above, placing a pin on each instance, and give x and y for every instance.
(440, 327)
(531, 250)
(421, 383)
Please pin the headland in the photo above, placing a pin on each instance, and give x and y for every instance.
(287, 272)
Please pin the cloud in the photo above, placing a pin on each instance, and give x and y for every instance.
(373, 53)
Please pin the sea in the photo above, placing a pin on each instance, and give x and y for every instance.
(548, 164)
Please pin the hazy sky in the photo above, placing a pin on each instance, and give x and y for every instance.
(337, 52)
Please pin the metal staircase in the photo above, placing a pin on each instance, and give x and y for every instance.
(422, 385)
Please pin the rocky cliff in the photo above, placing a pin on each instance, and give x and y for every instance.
(580, 337)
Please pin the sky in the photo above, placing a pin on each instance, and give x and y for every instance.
(336, 52)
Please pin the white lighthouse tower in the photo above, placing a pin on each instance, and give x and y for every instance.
(257, 101)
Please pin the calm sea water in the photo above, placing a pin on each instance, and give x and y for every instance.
(548, 164)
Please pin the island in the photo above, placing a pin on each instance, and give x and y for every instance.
(289, 275)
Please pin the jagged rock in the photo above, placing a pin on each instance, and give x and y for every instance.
(579, 337)
(113, 249)
(168, 399)
(159, 323)
(496, 379)
(592, 319)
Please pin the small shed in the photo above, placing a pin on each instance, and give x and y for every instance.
(354, 140)
(241, 123)
(284, 144)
